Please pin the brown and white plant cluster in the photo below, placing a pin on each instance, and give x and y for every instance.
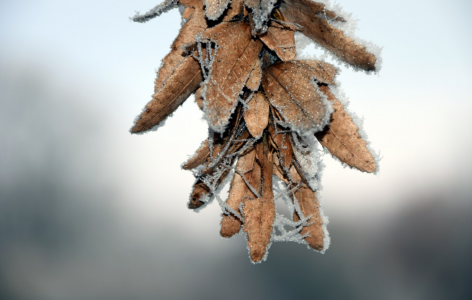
(266, 111)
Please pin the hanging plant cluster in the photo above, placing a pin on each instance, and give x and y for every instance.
(266, 109)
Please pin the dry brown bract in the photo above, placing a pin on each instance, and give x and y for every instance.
(265, 109)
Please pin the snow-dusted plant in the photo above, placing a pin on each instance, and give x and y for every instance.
(266, 109)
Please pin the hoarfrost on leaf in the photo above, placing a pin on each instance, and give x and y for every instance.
(268, 106)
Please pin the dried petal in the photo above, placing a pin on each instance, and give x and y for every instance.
(236, 55)
(257, 115)
(305, 13)
(341, 137)
(290, 88)
(281, 40)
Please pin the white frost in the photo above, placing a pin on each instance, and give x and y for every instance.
(155, 12)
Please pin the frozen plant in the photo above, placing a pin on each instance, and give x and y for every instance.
(267, 111)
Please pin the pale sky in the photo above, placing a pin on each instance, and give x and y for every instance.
(98, 68)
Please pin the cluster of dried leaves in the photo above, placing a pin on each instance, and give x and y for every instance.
(264, 109)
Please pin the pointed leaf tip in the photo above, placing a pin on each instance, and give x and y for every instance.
(342, 139)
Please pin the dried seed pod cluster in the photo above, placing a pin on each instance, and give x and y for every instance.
(266, 111)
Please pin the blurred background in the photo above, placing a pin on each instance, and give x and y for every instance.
(89, 211)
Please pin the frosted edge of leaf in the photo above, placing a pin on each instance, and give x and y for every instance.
(193, 156)
(183, 20)
(206, 199)
(301, 43)
(349, 27)
(309, 133)
(266, 254)
(154, 128)
(324, 226)
(155, 12)
(358, 121)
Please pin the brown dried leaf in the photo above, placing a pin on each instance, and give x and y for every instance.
(200, 157)
(290, 88)
(259, 214)
(254, 80)
(341, 137)
(305, 13)
(183, 82)
(196, 23)
(178, 77)
(309, 205)
(281, 40)
(230, 225)
(200, 189)
(233, 62)
(257, 115)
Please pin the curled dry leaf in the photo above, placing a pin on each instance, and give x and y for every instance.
(238, 57)
(341, 137)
